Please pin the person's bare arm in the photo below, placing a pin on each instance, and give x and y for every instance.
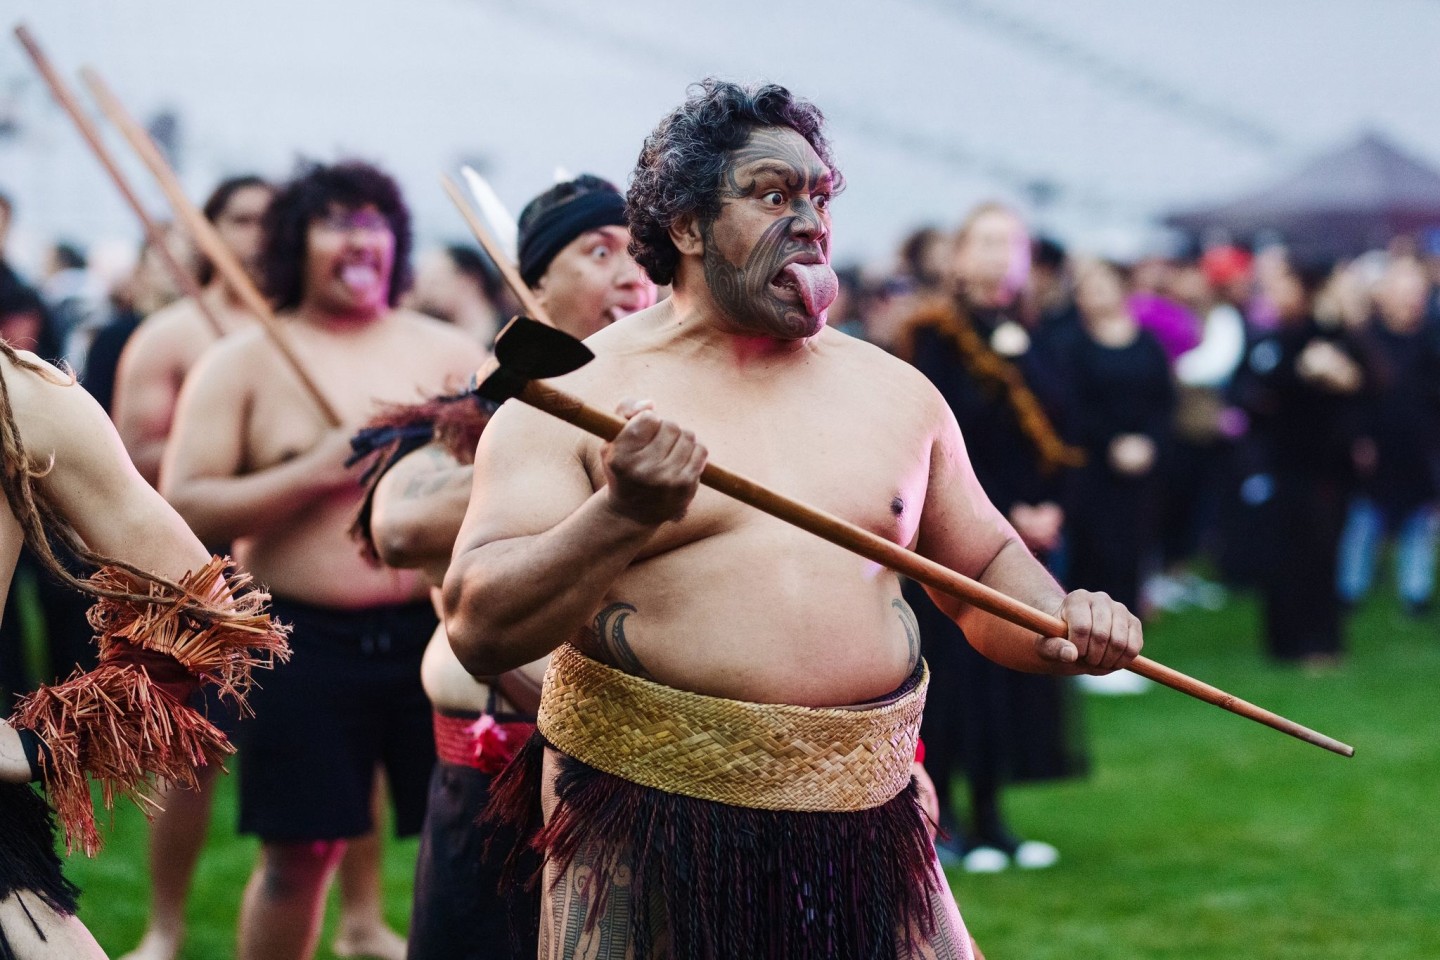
(417, 510)
(93, 483)
(14, 768)
(961, 529)
(147, 385)
(538, 550)
(204, 459)
(96, 489)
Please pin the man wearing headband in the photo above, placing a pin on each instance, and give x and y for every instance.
(573, 246)
(573, 241)
(725, 743)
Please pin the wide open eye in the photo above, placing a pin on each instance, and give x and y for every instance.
(774, 198)
(821, 201)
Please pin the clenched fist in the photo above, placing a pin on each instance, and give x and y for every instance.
(1104, 636)
(652, 467)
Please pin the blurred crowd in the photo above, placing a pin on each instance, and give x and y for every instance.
(1266, 422)
(1228, 417)
(1166, 430)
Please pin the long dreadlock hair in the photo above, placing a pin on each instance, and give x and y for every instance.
(41, 522)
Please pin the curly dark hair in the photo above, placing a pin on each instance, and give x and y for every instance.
(678, 173)
(308, 197)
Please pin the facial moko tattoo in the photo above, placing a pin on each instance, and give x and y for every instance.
(767, 253)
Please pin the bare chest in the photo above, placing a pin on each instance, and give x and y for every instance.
(835, 446)
(284, 419)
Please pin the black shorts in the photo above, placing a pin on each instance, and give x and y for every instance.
(349, 699)
(460, 912)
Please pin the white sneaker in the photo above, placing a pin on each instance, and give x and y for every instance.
(1036, 855)
(985, 860)
(1121, 683)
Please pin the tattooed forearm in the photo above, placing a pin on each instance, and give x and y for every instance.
(608, 633)
(912, 629)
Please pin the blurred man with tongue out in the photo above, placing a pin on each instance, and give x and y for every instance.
(727, 727)
(252, 460)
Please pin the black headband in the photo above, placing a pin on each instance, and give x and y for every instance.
(553, 230)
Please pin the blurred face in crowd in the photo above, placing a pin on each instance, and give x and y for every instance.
(349, 256)
(22, 328)
(1400, 295)
(992, 257)
(152, 284)
(593, 281)
(239, 224)
(1283, 288)
(766, 256)
(1188, 285)
(1099, 291)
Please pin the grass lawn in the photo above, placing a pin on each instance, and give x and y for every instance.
(1199, 835)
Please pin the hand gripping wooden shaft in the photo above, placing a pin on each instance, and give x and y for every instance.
(845, 534)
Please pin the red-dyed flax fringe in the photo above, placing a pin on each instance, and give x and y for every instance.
(127, 724)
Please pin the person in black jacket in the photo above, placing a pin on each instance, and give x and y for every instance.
(1000, 726)
(1399, 491)
(1123, 400)
(1303, 388)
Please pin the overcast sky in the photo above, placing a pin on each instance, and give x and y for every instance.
(1105, 111)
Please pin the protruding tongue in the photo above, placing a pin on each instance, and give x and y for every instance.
(817, 284)
(359, 276)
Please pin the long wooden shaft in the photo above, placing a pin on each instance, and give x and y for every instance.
(523, 293)
(857, 540)
(205, 235)
(154, 236)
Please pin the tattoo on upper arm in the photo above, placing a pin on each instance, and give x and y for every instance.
(443, 474)
(912, 628)
(608, 632)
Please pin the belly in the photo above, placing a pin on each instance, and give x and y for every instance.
(448, 685)
(316, 561)
(771, 616)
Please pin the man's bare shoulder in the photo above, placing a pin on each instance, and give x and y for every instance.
(431, 330)
(239, 356)
(171, 336)
(181, 320)
(886, 374)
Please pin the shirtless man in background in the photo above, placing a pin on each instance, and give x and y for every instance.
(169, 342)
(573, 251)
(691, 606)
(147, 386)
(252, 461)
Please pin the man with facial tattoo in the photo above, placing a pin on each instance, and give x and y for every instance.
(728, 723)
(252, 461)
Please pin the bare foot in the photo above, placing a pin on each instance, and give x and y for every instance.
(157, 945)
(374, 943)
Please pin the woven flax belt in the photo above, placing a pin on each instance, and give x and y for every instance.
(764, 756)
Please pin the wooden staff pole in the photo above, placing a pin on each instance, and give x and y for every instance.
(226, 263)
(522, 292)
(857, 540)
(154, 236)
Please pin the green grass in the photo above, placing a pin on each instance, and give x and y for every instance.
(1199, 834)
